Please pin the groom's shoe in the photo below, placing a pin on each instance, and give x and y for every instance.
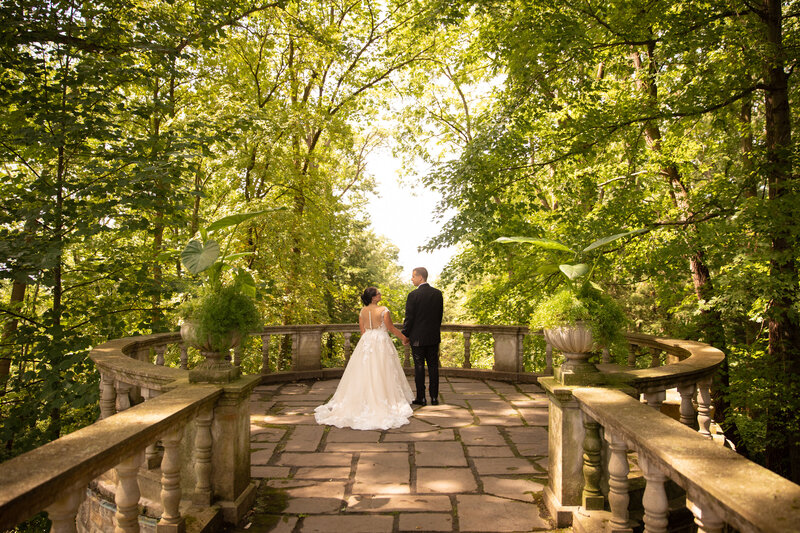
(434, 401)
(419, 402)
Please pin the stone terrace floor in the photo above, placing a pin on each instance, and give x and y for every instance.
(477, 462)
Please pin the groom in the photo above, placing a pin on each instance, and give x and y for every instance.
(424, 309)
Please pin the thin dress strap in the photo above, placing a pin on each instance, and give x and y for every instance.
(370, 318)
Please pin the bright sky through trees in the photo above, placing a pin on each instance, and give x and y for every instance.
(404, 213)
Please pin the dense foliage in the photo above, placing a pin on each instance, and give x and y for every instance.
(126, 126)
(609, 116)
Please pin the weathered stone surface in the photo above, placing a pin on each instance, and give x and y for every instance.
(350, 524)
(304, 439)
(366, 447)
(262, 434)
(382, 473)
(316, 459)
(327, 472)
(439, 454)
(352, 435)
(269, 471)
(387, 503)
(445, 480)
(426, 522)
(446, 416)
(489, 513)
(481, 436)
(417, 423)
(438, 435)
(530, 440)
(286, 420)
(261, 457)
(489, 451)
(534, 416)
(503, 465)
(515, 489)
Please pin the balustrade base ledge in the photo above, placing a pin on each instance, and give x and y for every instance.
(471, 373)
(585, 522)
(562, 515)
(234, 511)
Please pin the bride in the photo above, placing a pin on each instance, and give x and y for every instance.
(373, 392)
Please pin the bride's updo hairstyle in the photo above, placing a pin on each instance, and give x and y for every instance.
(368, 294)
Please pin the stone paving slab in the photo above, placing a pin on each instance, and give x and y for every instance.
(426, 522)
(503, 465)
(304, 439)
(354, 447)
(316, 459)
(489, 451)
(512, 488)
(350, 524)
(383, 503)
(481, 435)
(445, 480)
(489, 513)
(436, 435)
(439, 454)
(455, 467)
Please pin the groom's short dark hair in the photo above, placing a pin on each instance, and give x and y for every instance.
(422, 271)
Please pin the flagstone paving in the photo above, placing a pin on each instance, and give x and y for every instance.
(476, 462)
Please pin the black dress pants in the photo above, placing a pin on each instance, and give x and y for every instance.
(423, 355)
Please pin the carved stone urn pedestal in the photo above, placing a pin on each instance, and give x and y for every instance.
(215, 368)
(575, 342)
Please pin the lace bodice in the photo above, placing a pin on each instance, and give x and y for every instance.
(380, 320)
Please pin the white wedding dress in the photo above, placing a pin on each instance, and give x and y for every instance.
(373, 392)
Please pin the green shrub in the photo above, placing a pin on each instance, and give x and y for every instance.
(219, 312)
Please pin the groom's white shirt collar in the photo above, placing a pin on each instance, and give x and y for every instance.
(423, 283)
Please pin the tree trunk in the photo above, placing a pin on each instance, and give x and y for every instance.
(783, 438)
(10, 327)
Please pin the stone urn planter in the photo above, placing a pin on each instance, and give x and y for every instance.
(575, 343)
(215, 368)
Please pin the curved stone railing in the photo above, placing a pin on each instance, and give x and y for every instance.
(203, 459)
(594, 430)
(204, 442)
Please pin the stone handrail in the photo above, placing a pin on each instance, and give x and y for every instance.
(748, 497)
(592, 429)
(203, 429)
(40, 478)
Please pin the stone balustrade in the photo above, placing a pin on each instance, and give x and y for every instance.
(186, 444)
(596, 433)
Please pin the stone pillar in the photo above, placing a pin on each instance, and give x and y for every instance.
(704, 408)
(306, 355)
(654, 500)
(63, 511)
(265, 354)
(505, 352)
(688, 415)
(467, 354)
(706, 519)
(618, 497)
(565, 449)
(232, 487)
(108, 396)
(171, 520)
(347, 349)
(592, 499)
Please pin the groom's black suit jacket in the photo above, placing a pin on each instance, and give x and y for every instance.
(424, 310)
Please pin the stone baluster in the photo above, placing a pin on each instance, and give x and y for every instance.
(171, 520)
(548, 360)
(127, 495)
(64, 510)
(654, 499)
(606, 355)
(688, 415)
(295, 345)
(108, 396)
(467, 348)
(407, 355)
(237, 354)
(618, 497)
(655, 361)
(184, 356)
(704, 408)
(123, 396)
(203, 441)
(520, 351)
(592, 499)
(152, 455)
(265, 353)
(160, 351)
(347, 349)
(655, 399)
(706, 519)
(632, 348)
